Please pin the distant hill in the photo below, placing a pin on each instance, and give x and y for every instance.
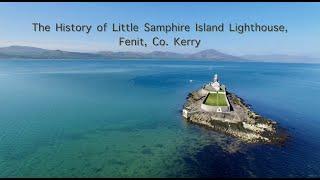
(282, 58)
(39, 53)
(122, 55)
(26, 52)
(166, 54)
(213, 54)
(134, 55)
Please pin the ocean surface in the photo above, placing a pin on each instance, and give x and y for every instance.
(112, 118)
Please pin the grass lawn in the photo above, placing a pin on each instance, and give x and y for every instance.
(216, 99)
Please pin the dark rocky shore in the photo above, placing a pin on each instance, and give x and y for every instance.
(241, 122)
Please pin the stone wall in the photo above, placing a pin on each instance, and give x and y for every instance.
(214, 108)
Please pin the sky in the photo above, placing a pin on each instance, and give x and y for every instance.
(300, 19)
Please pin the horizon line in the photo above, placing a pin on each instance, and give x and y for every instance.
(146, 52)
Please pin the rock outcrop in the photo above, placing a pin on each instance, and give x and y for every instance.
(241, 122)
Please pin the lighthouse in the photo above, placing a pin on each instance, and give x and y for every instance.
(215, 79)
(215, 84)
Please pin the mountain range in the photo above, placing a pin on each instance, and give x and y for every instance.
(26, 52)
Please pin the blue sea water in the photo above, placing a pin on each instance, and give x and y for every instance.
(111, 118)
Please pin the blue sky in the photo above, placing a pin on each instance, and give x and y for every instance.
(301, 20)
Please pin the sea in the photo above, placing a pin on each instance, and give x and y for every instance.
(122, 118)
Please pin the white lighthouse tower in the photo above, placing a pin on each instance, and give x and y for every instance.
(215, 84)
(215, 79)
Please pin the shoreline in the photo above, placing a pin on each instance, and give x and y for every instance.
(159, 59)
(241, 122)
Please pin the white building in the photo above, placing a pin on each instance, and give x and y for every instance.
(215, 87)
(215, 84)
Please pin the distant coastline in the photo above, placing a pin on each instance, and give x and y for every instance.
(34, 53)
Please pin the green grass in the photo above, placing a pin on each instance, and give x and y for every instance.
(215, 99)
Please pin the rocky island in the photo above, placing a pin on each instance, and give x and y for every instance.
(214, 107)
